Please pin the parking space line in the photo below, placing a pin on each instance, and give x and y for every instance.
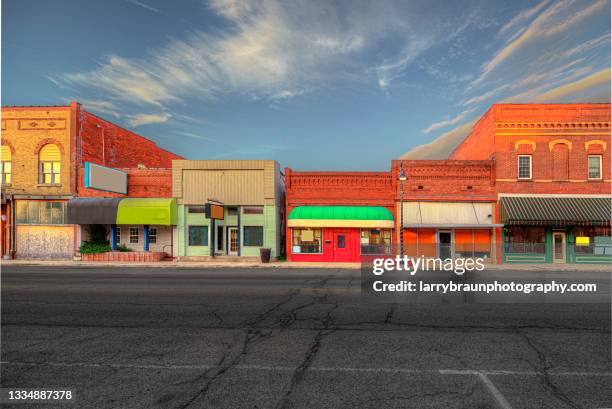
(497, 395)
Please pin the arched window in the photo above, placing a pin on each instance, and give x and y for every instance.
(6, 156)
(49, 165)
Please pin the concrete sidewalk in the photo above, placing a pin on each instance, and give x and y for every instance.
(287, 264)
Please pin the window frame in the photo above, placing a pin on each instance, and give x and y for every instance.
(206, 238)
(314, 230)
(518, 162)
(244, 241)
(42, 173)
(600, 159)
(5, 173)
(131, 237)
(152, 235)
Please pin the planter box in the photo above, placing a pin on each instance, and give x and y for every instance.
(128, 256)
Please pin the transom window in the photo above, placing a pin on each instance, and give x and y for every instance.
(49, 165)
(524, 167)
(594, 166)
(40, 212)
(6, 156)
(134, 234)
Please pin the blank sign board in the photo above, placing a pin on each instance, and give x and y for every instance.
(107, 179)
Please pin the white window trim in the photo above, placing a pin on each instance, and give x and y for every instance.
(518, 167)
(131, 235)
(600, 167)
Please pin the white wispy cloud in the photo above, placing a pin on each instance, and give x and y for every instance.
(146, 119)
(522, 17)
(554, 20)
(100, 106)
(144, 5)
(448, 122)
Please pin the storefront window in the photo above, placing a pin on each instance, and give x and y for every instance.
(306, 241)
(153, 235)
(525, 239)
(473, 243)
(375, 241)
(595, 240)
(134, 235)
(253, 236)
(40, 212)
(198, 235)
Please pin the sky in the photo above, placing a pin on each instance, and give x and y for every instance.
(315, 85)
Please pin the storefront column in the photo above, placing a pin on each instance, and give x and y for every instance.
(146, 237)
(238, 211)
(569, 245)
(549, 245)
(114, 236)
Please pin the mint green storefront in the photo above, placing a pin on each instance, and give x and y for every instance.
(556, 230)
(251, 193)
(242, 232)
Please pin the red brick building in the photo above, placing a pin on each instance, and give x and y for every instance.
(338, 216)
(44, 150)
(552, 179)
(446, 208)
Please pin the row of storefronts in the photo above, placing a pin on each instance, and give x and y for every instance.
(523, 187)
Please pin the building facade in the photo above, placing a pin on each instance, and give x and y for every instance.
(251, 193)
(552, 179)
(339, 216)
(446, 208)
(44, 151)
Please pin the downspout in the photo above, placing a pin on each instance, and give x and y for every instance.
(13, 229)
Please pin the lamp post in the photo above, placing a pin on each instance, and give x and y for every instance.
(402, 177)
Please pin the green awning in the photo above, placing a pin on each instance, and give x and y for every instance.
(341, 216)
(160, 211)
(556, 211)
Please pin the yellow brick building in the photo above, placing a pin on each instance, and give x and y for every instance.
(37, 180)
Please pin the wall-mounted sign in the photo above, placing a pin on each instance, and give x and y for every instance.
(583, 241)
(107, 179)
(213, 211)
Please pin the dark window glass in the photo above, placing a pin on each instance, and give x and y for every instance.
(253, 236)
(220, 238)
(341, 241)
(195, 209)
(153, 235)
(198, 235)
(232, 211)
(253, 210)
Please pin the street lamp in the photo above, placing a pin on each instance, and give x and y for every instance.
(402, 178)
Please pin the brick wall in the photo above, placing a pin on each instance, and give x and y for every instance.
(25, 130)
(558, 136)
(445, 180)
(110, 145)
(141, 183)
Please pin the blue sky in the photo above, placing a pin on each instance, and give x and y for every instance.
(316, 85)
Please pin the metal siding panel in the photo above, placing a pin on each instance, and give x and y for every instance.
(232, 187)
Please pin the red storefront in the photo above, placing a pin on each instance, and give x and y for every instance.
(339, 216)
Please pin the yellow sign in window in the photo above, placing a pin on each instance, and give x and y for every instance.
(583, 241)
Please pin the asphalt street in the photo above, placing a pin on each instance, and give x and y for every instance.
(283, 338)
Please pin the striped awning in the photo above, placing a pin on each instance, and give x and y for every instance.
(556, 211)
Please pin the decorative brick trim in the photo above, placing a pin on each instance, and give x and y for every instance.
(554, 142)
(588, 144)
(10, 146)
(48, 141)
(525, 142)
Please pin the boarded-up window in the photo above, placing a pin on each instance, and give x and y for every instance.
(560, 154)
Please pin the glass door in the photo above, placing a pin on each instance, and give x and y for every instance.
(558, 247)
(232, 239)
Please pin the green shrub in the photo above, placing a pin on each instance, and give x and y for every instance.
(94, 248)
(123, 248)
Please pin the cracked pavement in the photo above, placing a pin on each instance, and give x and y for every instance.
(282, 338)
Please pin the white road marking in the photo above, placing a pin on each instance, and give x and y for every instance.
(471, 372)
(497, 395)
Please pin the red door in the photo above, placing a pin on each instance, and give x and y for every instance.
(343, 245)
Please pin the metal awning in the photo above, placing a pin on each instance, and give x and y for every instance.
(93, 210)
(341, 216)
(159, 211)
(448, 214)
(556, 211)
(152, 211)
